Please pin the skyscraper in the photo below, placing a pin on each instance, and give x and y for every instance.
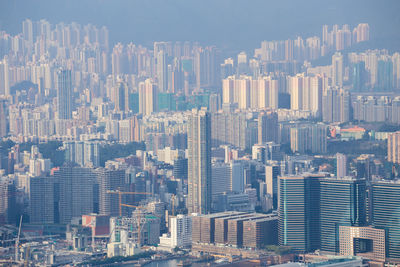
(271, 180)
(336, 105)
(41, 198)
(7, 202)
(337, 69)
(4, 77)
(162, 75)
(3, 118)
(64, 95)
(199, 162)
(386, 214)
(121, 97)
(109, 180)
(342, 202)
(147, 97)
(341, 165)
(299, 213)
(76, 191)
(393, 147)
(267, 127)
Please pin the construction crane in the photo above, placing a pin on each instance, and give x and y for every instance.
(17, 241)
(139, 220)
(120, 193)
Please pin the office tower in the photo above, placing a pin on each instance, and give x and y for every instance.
(180, 168)
(7, 202)
(267, 127)
(341, 165)
(75, 191)
(220, 179)
(109, 180)
(121, 97)
(393, 147)
(342, 202)
(386, 214)
(161, 69)
(337, 69)
(299, 213)
(3, 118)
(359, 76)
(271, 180)
(237, 176)
(147, 97)
(199, 162)
(65, 102)
(4, 77)
(41, 200)
(336, 105)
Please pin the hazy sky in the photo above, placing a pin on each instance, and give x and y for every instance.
(233, 24)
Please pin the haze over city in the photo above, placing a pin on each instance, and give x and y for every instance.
(199, 133)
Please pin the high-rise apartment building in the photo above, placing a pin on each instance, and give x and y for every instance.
(337, 69)
(4, 77)
(336, 105)
(3, 117)
(161, 69)
(393, 150)
(309, 138)
(249, 92)
(341, 165)
(199, 162)
(65, 102)
(147, 97)
(267, 127)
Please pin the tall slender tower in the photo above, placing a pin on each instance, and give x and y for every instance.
(3, 117)
(199, 163)
(162, 74)
(337, 69)
(64, 95)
